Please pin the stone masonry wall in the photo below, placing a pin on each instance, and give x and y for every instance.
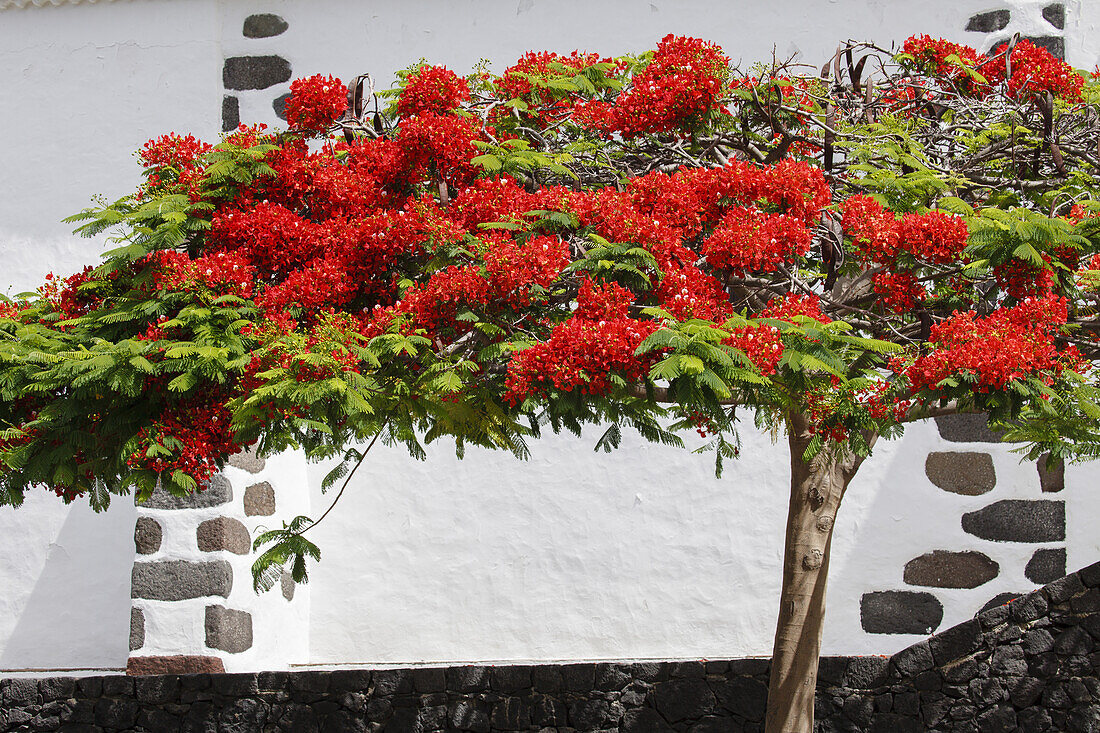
(1029, 665)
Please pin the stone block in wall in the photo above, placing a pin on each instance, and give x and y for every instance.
(264, 25)
(999, 600)
(899, 612)
(994, 20)
(255, 72)
(147, 535)
(967, 428)
(1055, 44)
(1055, 14)
(1018, 520)
(1046, 565)
(228, 630)
(970, 474)
(1051, 478)
(137, 629)
(177, 580)
(287, 585)
(218, 491)
(259, 500)
(223, 533)
(279, 106)
(231, 113)
(174, 664)
(247, 460)
(944, 569)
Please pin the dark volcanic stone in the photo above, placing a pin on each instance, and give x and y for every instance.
(999, 600)
(137, 629)
(428, 679)
(913, 660)
(511, 678)
(1029, 607)
(259, 500)
(1065, 588)
(588, 714)
(578, 677)
(1051, 479)
(265, 25)
(967, 428)
(231, 119)
(468, 679)
(223, 533)
(177, 580)
(467, 715)
(900, 612)
(218, 491)
(1055, 44)
(118, 713)
(956, 642)
(1046, 565)
(255, 72)
(228, 629)
(1055, 15)
(242, 716)
(1018, 520)
(683, 698)
(147, 535)
(969, 474)
(742, 696)
(644, 720)
(944, 569)
(279, 105)
(994, 20)
(511, 713)
(1000, 719)
(157, 689)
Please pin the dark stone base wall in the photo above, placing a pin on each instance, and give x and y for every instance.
(1030, 665)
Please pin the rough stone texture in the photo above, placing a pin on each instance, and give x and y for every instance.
(247, 460)
(223, 533)
(1046, 565)
(228, 629)
(1055, 15)
(231, 113)
(1018, 520)
(265, 25)
(137, 629)
(943, 569)
(177, 580)
(994, 20)
(259, 500)
(1051, 479)
(287, 585)
(279, 105)
(966, 428)
(899, 612)
(999, 600)
(218, 491)
(147, 535)
(1029, 666)
(179, 664)
(255, 72)
(970, 474)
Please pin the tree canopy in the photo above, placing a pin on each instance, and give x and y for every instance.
(648, 241)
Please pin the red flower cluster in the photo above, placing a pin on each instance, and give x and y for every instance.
(1008, 345)
(581, 353)
(520, 81)
(315, 103)
(1035, 70)
(432, 89)
(680, 85)
(750, 240)
(193, 433)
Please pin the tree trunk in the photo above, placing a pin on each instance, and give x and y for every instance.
(817, 486)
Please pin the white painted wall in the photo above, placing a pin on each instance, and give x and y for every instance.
(572, 555)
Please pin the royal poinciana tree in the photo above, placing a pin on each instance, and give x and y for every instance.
(660, 242)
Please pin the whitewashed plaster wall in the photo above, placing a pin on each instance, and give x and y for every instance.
(572, 555)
